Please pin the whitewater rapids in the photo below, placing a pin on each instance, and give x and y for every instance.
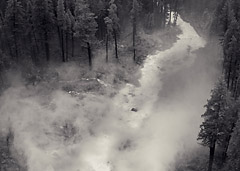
(108, 134)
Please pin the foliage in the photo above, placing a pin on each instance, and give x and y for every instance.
(85, 25)
(215, 126)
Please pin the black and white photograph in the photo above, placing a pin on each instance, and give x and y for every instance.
(119, 85)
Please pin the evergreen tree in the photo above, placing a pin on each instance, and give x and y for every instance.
(175, 11)
(231, 53)
(31, 33)
(136, 7)
(113, 16)
(166, 13)
(233, 163)
(68, 32)
(14, 18)
(213, 129)
(43, 19)
(109, 25)
(85, 26)
(71, 27)
(61, 20)
(99, 8)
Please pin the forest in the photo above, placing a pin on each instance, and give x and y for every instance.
(93, 50)
(35, 30)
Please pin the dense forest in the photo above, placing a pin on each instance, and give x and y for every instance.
(36, 32)
(39, 33)
(35, 29)
(220, 128)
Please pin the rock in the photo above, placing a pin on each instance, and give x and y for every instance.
(134, 109)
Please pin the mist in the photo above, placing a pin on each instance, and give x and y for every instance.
(56, 130)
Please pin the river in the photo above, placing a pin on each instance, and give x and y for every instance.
(162, 115)
(142, 128)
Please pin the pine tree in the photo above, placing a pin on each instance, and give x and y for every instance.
(224, 18)
(71, 27)
(214, 128)
(113, 16)
(14, 18)
(109, 25)
(61, 20)
(68, 32)
(134, 16)
(99, 8)
(166, 13)
(31, 33)
(175, 12)
(85, 26)
(233, 163)
(43, 19)
(5, 45)
(231, 52)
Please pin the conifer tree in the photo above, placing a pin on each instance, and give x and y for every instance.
(43, 19)
(233, 163)
(71, 27)
(61, 21)
(31, 33)
(85, 26)
(214, 128)
(68, 33)
(14, 18)
(113, 16)
(231, 52)
(134, 16)
(109, 25)
(99, 8)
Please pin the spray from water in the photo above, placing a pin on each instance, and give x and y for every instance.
(141, 128)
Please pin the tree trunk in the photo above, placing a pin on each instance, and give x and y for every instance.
(229, 73)
(32, 50)
(211, 155)
(10, 49)
(116, 46)
(61, 41)
(62, 46)
(236, 88)
(1, 78)
(72, 45)
(14, 33)
(67, 56)
(164, 15)
(224, 154)
(89, 55)
(170, 17)
(34, 36)
(46, 43)
(16, 46)
(134, 39)
(106, 48)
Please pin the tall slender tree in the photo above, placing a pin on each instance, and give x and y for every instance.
(43, 19)
(113, 15)
(31, 32)
(136, 7)
(109, 32)
(61, 20)
(14, 18)
(68, 33)
(71, 31)
(85, 26)
(213, 129)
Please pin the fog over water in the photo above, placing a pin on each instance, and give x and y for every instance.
(60, 132)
